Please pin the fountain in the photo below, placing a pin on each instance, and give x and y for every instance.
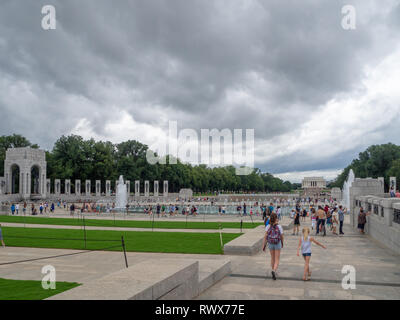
(122, 195)
(346, 188)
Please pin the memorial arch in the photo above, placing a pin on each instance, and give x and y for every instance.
(25, 172)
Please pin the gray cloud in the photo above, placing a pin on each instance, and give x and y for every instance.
(267, 65)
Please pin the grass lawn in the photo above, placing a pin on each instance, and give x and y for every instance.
(128, 223)
(135, 241)
(30, 289)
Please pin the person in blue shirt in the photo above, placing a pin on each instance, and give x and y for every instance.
(271, 208)
(12, 208)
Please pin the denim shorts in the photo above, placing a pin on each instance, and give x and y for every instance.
(307, 254)
(277, 246)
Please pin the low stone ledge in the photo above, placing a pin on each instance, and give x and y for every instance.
(248, 244)
(148, 280)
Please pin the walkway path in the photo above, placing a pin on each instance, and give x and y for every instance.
(377, 272)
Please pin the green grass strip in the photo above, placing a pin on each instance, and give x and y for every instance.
(135, 241)
(30, 289)
(128, 223)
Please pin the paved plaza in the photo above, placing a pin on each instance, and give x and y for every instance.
(377, 272)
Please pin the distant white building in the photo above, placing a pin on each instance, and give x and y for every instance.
(312, 185)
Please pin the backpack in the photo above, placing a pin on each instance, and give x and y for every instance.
(274, 235)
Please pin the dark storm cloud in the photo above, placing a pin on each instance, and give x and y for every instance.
(266, 65)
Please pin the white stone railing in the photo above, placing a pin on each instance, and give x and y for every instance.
(383, 222)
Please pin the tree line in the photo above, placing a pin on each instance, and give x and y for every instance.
(73, 157)
(376, 161)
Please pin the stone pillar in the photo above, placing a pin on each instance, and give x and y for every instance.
(98, 188)
(108, 188)
(156, 188)
(393, 183)
(116, 184)
(28, 185)
(137, 188)
(382, 181)
(48, 186)
(67, 187)
(21, 183)
(128, 187)
(165, 188)
(57, 186)
(146, 188)
(88, 188)
(2, 185)
(78, 187)
(43, 183)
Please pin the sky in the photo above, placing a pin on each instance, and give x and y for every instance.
(315, 93)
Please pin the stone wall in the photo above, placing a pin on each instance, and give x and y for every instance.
(382, 224)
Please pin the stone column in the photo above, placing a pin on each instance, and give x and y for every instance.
(77, 187)
(156, 188)
(108, 188)
(21, 183)
(2, 185)
(88, 188)
(116, 184)
(382, 180)
(7, 176)
(146, 188)
(57, 187)
(165, 188)
(67, 187)
(137, 188)
(98, 188)
(128, 187)
(28, 184)
(48, 186)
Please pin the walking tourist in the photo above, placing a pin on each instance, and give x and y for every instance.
(17, 208)
(12, 209)
(304, 215)
(24, 208)
(362, 220)
(305, 246)
(296, 222)
(321, 220)
(1, 238)
(274, 238)
(279, 212)
(341, 219)
(313, 218)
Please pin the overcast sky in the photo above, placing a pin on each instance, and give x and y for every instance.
(315, 94)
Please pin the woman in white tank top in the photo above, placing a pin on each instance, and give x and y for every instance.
(305, 246)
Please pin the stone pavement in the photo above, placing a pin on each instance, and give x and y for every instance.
(377, 272)
(377, 269)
